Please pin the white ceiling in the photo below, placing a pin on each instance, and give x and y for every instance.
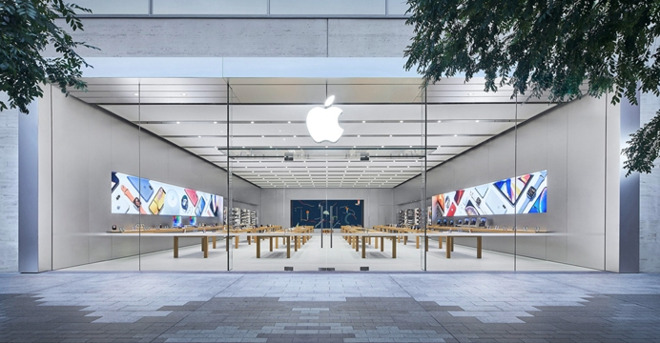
(382, 119)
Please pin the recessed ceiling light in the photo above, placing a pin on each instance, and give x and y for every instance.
(252, 122)
(178, 122)
(183, 94)
(294, 136)
(199, 136)
(400, 121)
(136, 94)
(215, 122)
(476, 121)
(289, 122)
(364, 121)
(455, 135)
(390, 136)
(262, 136)
(439, 121)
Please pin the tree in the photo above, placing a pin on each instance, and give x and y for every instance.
(27, 28)
(546, 46)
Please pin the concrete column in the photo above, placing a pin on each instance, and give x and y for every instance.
(9, 190)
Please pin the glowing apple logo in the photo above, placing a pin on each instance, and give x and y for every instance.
(323, 122)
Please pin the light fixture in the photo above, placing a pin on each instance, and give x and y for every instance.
(323, 122)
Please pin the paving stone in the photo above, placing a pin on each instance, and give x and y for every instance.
(265, 307)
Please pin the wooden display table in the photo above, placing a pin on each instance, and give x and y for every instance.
(300, 236)
(204, 233)
(355, 235)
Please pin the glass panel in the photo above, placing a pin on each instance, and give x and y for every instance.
(397, 7)
(180, 187)
(328, 186)
(473, 137)
(210, 7)
(561, 225)
(348, 7)
(88, 145)
(116, 6)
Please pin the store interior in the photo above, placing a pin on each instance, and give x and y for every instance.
(398, 191)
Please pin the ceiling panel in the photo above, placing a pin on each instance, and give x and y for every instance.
(383, 122)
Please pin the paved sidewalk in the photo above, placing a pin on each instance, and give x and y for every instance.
(329, 307)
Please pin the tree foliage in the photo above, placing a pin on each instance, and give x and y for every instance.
(27, 28)
(553, 47)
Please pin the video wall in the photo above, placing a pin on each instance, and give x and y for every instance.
(136, 195)
(325, 214)
(526, 193)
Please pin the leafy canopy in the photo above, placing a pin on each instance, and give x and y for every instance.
(546, 46)
(27, 27)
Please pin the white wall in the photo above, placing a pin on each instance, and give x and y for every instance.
(570, 142)
(234, 37)
(276, 203)
(87, 144)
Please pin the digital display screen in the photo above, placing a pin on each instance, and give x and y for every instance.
(527, 193)
(136, 195)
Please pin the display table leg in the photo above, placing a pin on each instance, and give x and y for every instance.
(258, 241)
(450, 242)
(277, 240)
(426, 243)
(236, 242)
(376, 239)
(357, 243)
(364, 247)
(249, 238)
(393, 248)
(176, 247)
(288, 246)
(214, 240)
(479, 246)
(271, 243)
(296, 243)
(405, 240)
(205, 246)
(440, 242)
(416, 242)
(228, 242)
(382, 243)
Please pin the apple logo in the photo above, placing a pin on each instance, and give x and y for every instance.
(323, 122)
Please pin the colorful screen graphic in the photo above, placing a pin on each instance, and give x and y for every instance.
(526, 193)
(133, 195)
(324, 214)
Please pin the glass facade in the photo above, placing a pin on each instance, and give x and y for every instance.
(214, 174)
